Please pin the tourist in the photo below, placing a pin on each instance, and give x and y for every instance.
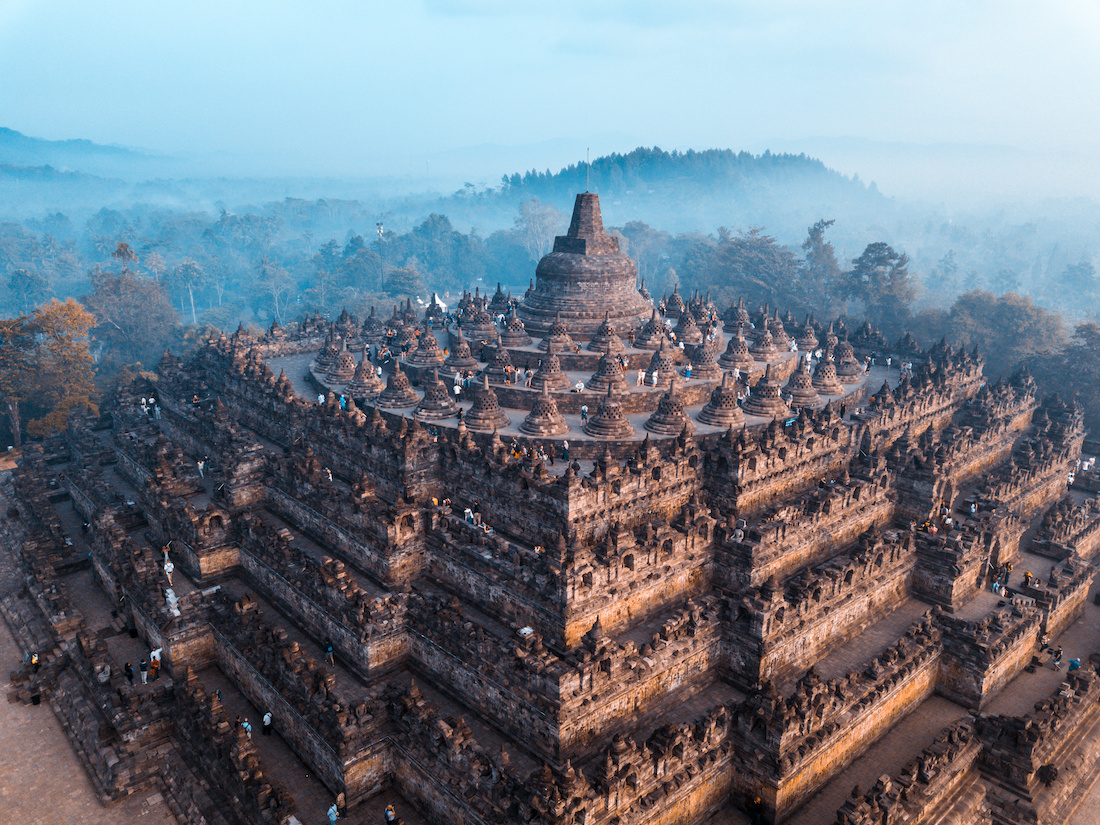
(390, 814)
(1057, 663)
(578, 387)
(128, 669)
(330, 655)
(266, 730)
(247, 727)
(641, 377)
(1074, 664)
(584, 413)
(143, 666)
(565, 450)
(202, 469)
(1044, 642)
(154, 670)
(1027, 579)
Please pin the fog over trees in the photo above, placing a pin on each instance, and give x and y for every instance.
(163, 263)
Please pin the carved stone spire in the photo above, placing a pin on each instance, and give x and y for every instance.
(438, 403)
(651, 335)
(663, 365)
(544, 418)
(737, 354)
(608, 420)
(800, 390)
(485, 414)
(427, 352)
(825, 380)
(365, 383)
(550, 374)
(669, 417)
(605, 336)
(609, 373)
(460, 358)
(723, 410)
(558, 336)
(704, 366)
(515, 334)
(764, 399)
(398, 391)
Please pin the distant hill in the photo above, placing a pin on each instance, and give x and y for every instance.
(686, 191)
(17, 149)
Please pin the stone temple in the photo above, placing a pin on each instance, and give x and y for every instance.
(611, 580)
(584, 279)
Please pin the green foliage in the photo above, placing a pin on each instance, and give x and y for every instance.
(880, 280)
(1074, 371)
(134, 319)
(820, 275)
(749, 263)
(29, 287)
(1007, 329)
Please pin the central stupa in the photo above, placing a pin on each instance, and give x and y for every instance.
(585, 279)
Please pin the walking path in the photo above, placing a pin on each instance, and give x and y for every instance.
(41, 780)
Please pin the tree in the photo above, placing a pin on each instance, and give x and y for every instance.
(275, 284)
(538, 224)
(949, 272)
(135, 319)
(648, 247)
(1079, 282)
(16, 371)
(406, 280)
(820, 270)
(186, 278)
(1006, 329)
(155, 264)
(124, 255)
(1074, 371)
(749, 263)
(64, 371)
(326, 263)
(29, 288)
(880, 279)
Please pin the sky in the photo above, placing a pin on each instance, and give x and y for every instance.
(999, 93)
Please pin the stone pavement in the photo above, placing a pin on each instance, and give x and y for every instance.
(41, 780)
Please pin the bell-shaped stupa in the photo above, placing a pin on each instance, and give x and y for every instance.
(438, 403)
(608, 420)
(723, 410)
(544, 418)
(764, 398)
(398, 391)
(485, 413)
(585, 278)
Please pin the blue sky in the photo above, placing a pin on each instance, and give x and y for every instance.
(345, 87)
